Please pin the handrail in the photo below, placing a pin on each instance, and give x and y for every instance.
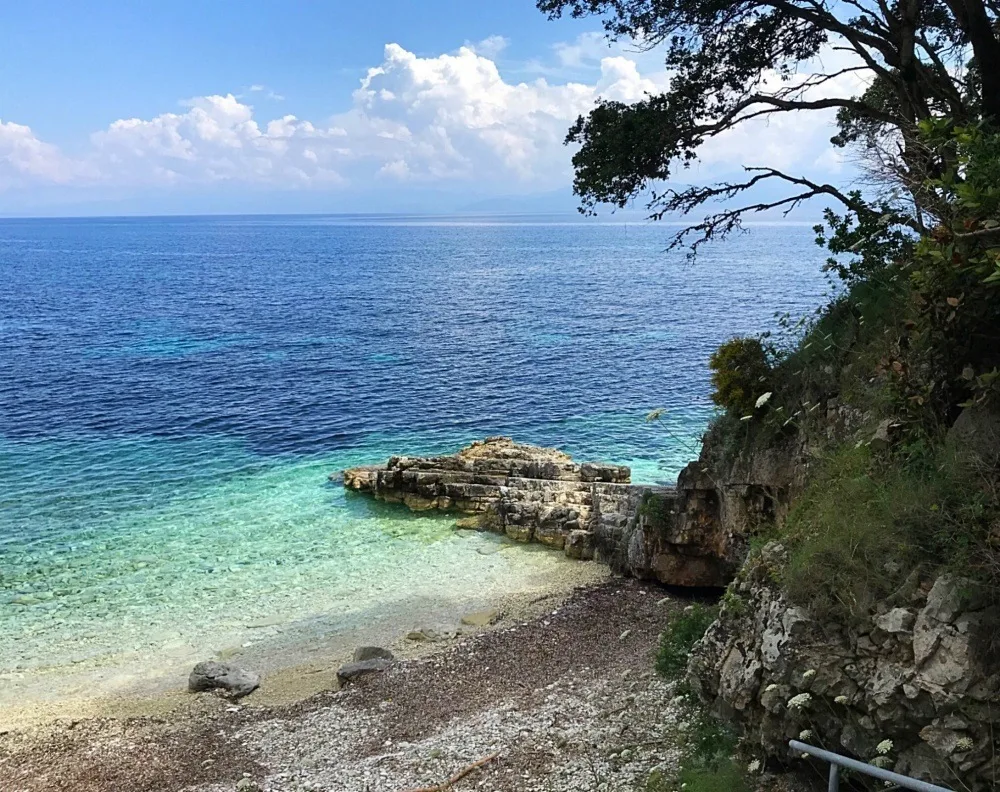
(837, 761)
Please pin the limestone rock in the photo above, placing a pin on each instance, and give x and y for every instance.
(685, 536)
(898, 620)
(756, 657)
(579, 545)
(363, 653)
(231, 681)
(351, 671)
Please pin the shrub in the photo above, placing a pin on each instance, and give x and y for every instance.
(740, 374)
(676, 642)
(865, 523)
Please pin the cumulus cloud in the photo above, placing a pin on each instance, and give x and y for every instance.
(24, 159)
(450, 117)
(217, 139)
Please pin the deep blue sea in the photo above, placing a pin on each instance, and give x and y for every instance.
(175, 391)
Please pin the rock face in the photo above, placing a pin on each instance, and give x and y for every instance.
(588, 510)
(229, 680)
(924, 674)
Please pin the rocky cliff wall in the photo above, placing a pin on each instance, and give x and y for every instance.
(915, 689)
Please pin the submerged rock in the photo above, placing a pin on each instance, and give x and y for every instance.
(231, 681)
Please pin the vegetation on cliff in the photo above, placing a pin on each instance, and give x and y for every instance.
(888, 398)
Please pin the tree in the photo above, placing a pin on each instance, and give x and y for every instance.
(921, 60)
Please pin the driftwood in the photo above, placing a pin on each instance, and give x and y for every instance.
(444, 785)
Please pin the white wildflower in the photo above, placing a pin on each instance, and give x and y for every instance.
(884, 747)
(800, 701)
(762, 400)
(965, 744)
(754, 766)
(840, 700)
(805, 734)
(804, 756)
(888, 784)
(769, 688)
(809, 674)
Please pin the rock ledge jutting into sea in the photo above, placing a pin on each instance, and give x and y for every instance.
(534, 494)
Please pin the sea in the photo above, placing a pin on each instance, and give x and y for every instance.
(175, 393)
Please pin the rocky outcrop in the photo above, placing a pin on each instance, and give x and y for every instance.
(531, 494)
(923, 672)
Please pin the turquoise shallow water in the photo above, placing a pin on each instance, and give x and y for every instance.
(175, 392)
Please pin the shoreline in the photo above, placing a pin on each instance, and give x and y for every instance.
(296, 660)
(557, 692)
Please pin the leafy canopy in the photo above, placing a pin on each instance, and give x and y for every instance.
(919, 60)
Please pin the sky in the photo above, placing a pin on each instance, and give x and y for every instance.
(271, 106)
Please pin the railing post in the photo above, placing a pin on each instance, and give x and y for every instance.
(834, 785)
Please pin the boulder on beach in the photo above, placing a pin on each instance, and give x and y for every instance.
(229, 680)
(351, 671)
(363, 653)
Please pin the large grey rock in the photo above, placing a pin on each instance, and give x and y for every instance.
(351, 671)
(229, 680)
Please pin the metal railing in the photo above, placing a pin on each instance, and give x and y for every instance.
(837, 761)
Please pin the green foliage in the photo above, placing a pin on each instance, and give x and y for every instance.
(676, 642)
(714, 51)
(740, 374)
(727, 776)
(866, 523)
(864, 244)
(655, 508)
(708, 764)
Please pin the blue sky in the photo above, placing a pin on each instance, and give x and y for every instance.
(142, 107)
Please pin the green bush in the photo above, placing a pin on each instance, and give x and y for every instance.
(727, 776)
(740, 374)
(683, 631)
(866, 523)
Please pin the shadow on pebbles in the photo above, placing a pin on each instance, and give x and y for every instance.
(566, 701)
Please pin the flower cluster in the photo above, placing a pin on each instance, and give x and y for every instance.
(754, 766)
(805, 734)
(965, 744)
(801, 701)
(840, 700)
(884, 747)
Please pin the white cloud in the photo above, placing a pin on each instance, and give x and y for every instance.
(491, 46)
(217, 139)
(450, 117)
(24, 159)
